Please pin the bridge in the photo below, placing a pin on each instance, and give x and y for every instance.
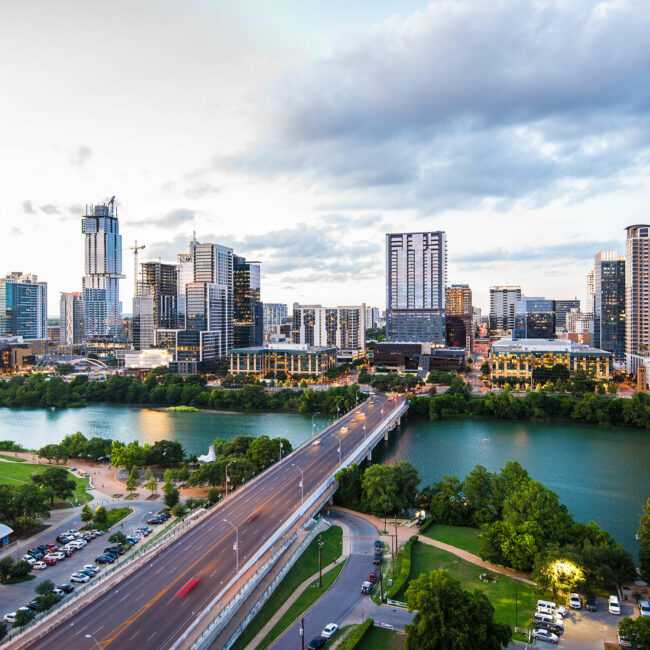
(221, 554)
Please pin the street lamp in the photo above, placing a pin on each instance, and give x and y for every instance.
(302, 483)
(337, 407)
(313, 424)
(90, 636)
(228, 477)
(364, 429)
(236, 543)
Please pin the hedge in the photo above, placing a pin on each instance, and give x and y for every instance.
(356, 635)
(426, 525)
(405, 570)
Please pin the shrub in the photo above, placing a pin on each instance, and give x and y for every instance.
(405, 570)
(356, 635)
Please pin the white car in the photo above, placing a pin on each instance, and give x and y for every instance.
(575, 602)
(57, 555)
(39, 566)
(11, 616)
(329, 630)
(78, 542)
(614, 605)
(545, 635)
(99, 533)
(79, 577)
(91, 567)
(561, 610)
(644, 608)
(29, 559)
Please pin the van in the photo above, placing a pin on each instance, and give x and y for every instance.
(549, 622)
(561, 610)
(613, 605)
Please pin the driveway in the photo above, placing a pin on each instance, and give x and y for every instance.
(14, 596)
(344, 603)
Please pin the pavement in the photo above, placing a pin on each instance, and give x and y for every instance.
(14, 596)
(144, 608)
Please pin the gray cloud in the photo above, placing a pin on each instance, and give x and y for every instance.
(15, 231)
(80, 156)
(28, 207)
(50, 208)
(201, 189)
(173, 218)
(470, 102)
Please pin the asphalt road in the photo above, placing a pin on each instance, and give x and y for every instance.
(344, 602)
(143, 610)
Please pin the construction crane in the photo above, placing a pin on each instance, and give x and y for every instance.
(135, 250)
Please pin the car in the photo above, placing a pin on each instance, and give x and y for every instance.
(317, 643)
(40, 565)
(34, 552)
(59, 555)
(329, 630)
(30, 559)
(575, 602)
(545, 635)
(87, 572)
(591, 604)
(134, 539)
(58, 592)
(92, 567)
(377, 559)
(104, 559)
(79, 543)
(79, 577)
(378, 545)
(559, 609)
(614, 605)
(316, 442)
(644, 608)
(549, 622)
(66, 588)
(49, 560)
(33, 604)
(64, 539)
(372, 577)
(623, 641)
(117, 549)
(366, 587)
(344, 429)
(97, 532)
(52, 547)
(154, 521)
(11, 616)
(43, 549)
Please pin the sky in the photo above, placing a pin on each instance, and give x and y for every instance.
(300, 133)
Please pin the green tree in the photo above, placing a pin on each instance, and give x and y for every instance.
(559, 572)
(100, 518)
(179, 510)
(644, 541)
(44, 587)
(348, 494)
(407, 480)
(6, 563)
(636, 630)
(172, 496)
(131, 485)
(56, 482)
(148, 473)
(117, 537)
(166, 452)
(86, 513)
(263, 452)
(379, 490)
(151, 484)
(23, 617)
(169, 476)
(183, 474)
(213, 495)
(449, 618)
(479, 493)
(20, 569)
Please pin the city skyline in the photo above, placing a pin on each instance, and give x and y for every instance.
(524, 172)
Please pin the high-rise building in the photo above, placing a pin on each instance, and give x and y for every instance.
(609, 303)
(416, 276)
(591, 289)
(274, 313)
(248, 319)
(23, 306)
(372, 317)
(577, 322)
(637, 296)
(534, 319)
(184, 275)
(459, 315)
(351, 329)
(310, 326)
(502, 307)
(143, 322)
(71, 318)
(561, 308)
(103, 271)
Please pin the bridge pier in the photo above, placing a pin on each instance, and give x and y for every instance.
(399, 420)
(369, 457)
(386, 435)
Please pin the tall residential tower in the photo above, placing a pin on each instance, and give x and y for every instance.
(637, 297)
(609, 303)
(502, 307)
(23, 306)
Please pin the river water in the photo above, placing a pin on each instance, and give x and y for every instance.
(599, 473)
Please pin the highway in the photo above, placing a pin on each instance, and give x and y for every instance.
(143, 610)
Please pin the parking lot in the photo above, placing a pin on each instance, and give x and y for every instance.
(585, 630)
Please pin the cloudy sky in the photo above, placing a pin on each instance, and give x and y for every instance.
(299, 133)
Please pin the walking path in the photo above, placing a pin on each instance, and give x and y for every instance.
(404, 534)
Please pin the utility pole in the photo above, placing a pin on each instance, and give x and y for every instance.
(320, 565)
(302, 632)
(394, 553)
(516, 598)
(381, 584)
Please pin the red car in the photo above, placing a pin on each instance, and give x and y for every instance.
(372, 577)
(52, 547)
(50, 561)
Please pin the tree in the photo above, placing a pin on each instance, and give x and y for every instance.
(348, 494)
(23, 617)
(6, 563)
(636, 630)
(100, 518)
(559, 572)
(379, 490)
(56, 481)
(172, 496)
(20, 569)
(117, 538)
(183, 474)
(131, 485)
(644, 541)
(86, 513)
(407, 480)
(263, 452)
(151, 484)
(166, 452)
(169, 476)
(479, 493)
(178, 510)
(45, 587)
(148, 473)
(449, 618)
(213, 495)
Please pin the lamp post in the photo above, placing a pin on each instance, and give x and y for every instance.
(516, 599)
(228, 477)
(302, 482)
(313, 424)
(236, 543)
(364, 429)
(337, 407)
(90, 636)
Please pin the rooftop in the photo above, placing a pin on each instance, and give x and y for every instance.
(291, 348)
(542, 345)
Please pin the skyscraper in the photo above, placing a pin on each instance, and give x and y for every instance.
(561, 308)
(103, 271)
(502, 307)
(71, 318)
(416, 276)
(275, 313)
(23, 306)
(459, 314)
(534, 319)
(609, 303)
(248, 319)
(637, 296)
(590, 286)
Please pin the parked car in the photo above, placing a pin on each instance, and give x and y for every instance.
(79, 577)
(575, 602)
(40, 565)
(87, 572)
(329, 630)
(559, 609)
(545, 635)
(552, 623)
(52, 547)
(33, 604)
(623, 641)
(378, 544)
(91, 567)
(30, 559)
(43, 549)
(11, 616)
(366, 587)
(372, 577)
(34, 552)
(49, 560)
(377, 559)
(317, 643)
(154, 521)
(614, 605)
(644, 608)
(66, 588)
(98, 532)
(104, 559)
(591, 604)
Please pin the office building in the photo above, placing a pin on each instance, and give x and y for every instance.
(416, 277)
(292, 359)
(372, 317)
(248, 318)
(71, 318)
(609, 303)
(155, 305)
(309, 326)
(637, 296)
(274, 314)
(419, 358)
(591, 289)
(184, 275)
(534, 319)
(103, 271)
(15, 354)
(513, 359)
(23, 306)
(578, 321)
(143, 322)
(502, 307)
(147, 359)
(459, 316)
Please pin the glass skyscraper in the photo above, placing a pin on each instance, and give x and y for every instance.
(609, 303)
(248, 318)
(637, 297)
(534, 319)
(23, 306)
(103, 271)
(416, 276)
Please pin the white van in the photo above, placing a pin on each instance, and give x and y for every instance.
(547, 604)
(614, 605)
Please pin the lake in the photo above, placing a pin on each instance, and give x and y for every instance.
(600, 473)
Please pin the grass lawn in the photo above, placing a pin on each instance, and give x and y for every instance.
(500, 593)
(12, 458)
(305, 567)
(458, 536)
(17, 473)
(113, 516)
(377, 638)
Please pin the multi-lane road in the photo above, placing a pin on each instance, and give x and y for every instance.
(143, 610)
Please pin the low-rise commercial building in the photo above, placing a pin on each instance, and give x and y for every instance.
(419, 357)
(515, 359)
(147, 359)
(292, 359)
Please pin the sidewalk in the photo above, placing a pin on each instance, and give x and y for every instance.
(404, 534)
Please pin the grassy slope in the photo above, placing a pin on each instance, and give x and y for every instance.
(458, 536)
(13, 459)
(305, 567)
(377, 638)
(17, 473)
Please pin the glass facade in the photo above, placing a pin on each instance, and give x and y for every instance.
(609, 303)
(71, 318)
(247, 307)
(275, 314)
(637, 296)
(502, 307)
(534, 319)
(299, 360)
(23, 306)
